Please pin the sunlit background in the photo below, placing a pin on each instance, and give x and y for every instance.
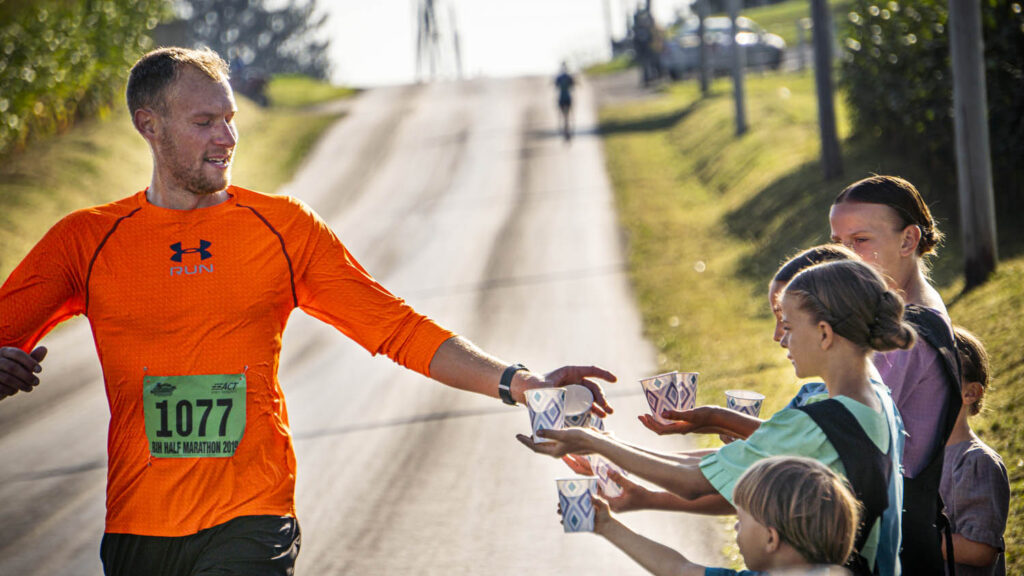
(374, 42)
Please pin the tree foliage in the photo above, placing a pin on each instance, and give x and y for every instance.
(273, 40)
(898, 79)
(62, 59)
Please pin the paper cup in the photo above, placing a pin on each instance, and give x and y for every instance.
(578, 399)
(601, 466)
(670, 391)
(546, 407)
(575, 497)
(744, 401)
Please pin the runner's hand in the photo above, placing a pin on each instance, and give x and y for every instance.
(18, 370)
(583, 375)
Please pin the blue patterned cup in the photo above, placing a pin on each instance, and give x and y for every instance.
(601, 466)
(670, 391)
(547, 410)
(744, 401)
(575, 498)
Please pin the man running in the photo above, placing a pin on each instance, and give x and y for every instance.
(565, 83)
(188, 286)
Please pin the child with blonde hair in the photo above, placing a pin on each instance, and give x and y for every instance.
(795, 516)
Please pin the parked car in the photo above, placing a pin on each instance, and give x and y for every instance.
(681, 53)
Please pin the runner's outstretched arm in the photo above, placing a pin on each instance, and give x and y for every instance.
(18, 370)
(460, 364)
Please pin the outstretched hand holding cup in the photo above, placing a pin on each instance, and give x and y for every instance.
(558, 443)
(670, 391)
(703, 420)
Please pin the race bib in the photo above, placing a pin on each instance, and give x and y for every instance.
(199, 416)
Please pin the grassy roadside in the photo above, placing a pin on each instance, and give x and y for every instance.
(297, 91)
(104, 159)
(708, 217)
(782, 18)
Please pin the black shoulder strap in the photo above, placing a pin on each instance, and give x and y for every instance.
(936, 331)
(923, 520)
(867, 468)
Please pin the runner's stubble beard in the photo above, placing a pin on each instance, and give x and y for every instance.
(191, 178)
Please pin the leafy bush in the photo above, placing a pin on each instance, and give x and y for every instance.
(898, 79)
(62, 59)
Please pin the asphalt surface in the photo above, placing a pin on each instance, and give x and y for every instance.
(464, 199)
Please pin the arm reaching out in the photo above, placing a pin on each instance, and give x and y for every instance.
(460, 364)
(682, 479)
(658, 559)
(704, 420)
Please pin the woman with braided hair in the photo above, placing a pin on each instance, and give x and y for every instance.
(886, 222)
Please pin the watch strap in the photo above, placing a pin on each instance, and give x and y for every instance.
(505, 384)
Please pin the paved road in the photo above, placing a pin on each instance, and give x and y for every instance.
(461, 198)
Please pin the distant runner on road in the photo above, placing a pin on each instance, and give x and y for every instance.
(188, 285)
(565, 84)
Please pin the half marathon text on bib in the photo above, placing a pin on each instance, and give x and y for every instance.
(199, 416)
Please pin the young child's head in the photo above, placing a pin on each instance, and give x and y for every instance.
(974, 361)
(798, 503)
(805, 259)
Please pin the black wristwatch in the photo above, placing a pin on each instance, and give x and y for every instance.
(505, 385)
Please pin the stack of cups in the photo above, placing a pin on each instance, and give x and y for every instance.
(670, 391)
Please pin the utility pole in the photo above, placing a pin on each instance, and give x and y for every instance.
(608, 26)
(456, 44)
(973, 162)
(831, 161)
(702, 49)
(426, 39)
(737, 69)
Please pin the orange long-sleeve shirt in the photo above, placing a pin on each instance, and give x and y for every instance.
(176, 294)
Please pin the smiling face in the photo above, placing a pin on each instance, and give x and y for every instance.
(802, 337)
(197, 136)
(876, 233)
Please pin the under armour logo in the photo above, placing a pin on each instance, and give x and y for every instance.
(202, 250)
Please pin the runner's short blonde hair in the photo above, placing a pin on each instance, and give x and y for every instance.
(158, 69)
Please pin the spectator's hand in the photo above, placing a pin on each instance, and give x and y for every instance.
(18, 370)
(582, 375)
(561, 442)
(633, 497)
(603, 517)
(700, 420)
(578, 464)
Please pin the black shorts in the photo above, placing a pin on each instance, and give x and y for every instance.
(244, 546)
